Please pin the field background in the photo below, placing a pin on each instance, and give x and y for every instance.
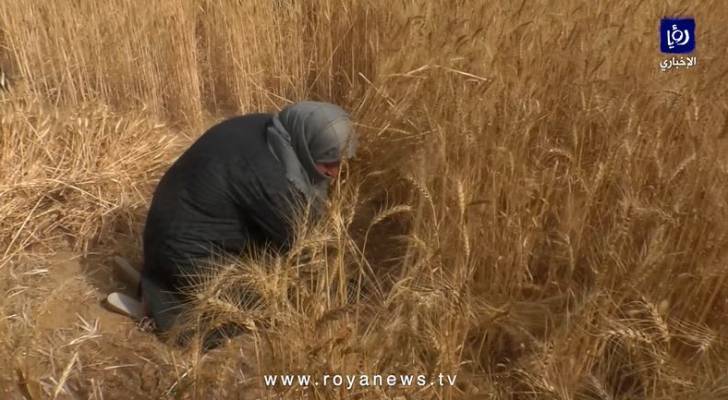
(535, 206)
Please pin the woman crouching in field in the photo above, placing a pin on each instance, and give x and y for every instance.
(236, 189)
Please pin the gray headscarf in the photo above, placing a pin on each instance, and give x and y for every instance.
(308, 132)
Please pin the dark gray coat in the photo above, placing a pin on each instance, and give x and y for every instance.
(226, 192)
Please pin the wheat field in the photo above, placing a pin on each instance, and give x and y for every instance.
(535, 208)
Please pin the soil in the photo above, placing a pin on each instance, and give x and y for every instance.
(64, 315)
(60, 320)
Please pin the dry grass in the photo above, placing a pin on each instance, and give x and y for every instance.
(536, 207)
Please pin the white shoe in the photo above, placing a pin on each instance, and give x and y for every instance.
(126, 305)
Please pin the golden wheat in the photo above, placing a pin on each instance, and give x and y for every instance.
(559, 227)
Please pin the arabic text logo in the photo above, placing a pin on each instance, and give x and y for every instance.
(677, 35)
(678, 62)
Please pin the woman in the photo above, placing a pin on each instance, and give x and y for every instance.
(237, 188)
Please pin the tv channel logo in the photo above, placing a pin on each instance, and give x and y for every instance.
(677, 35)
